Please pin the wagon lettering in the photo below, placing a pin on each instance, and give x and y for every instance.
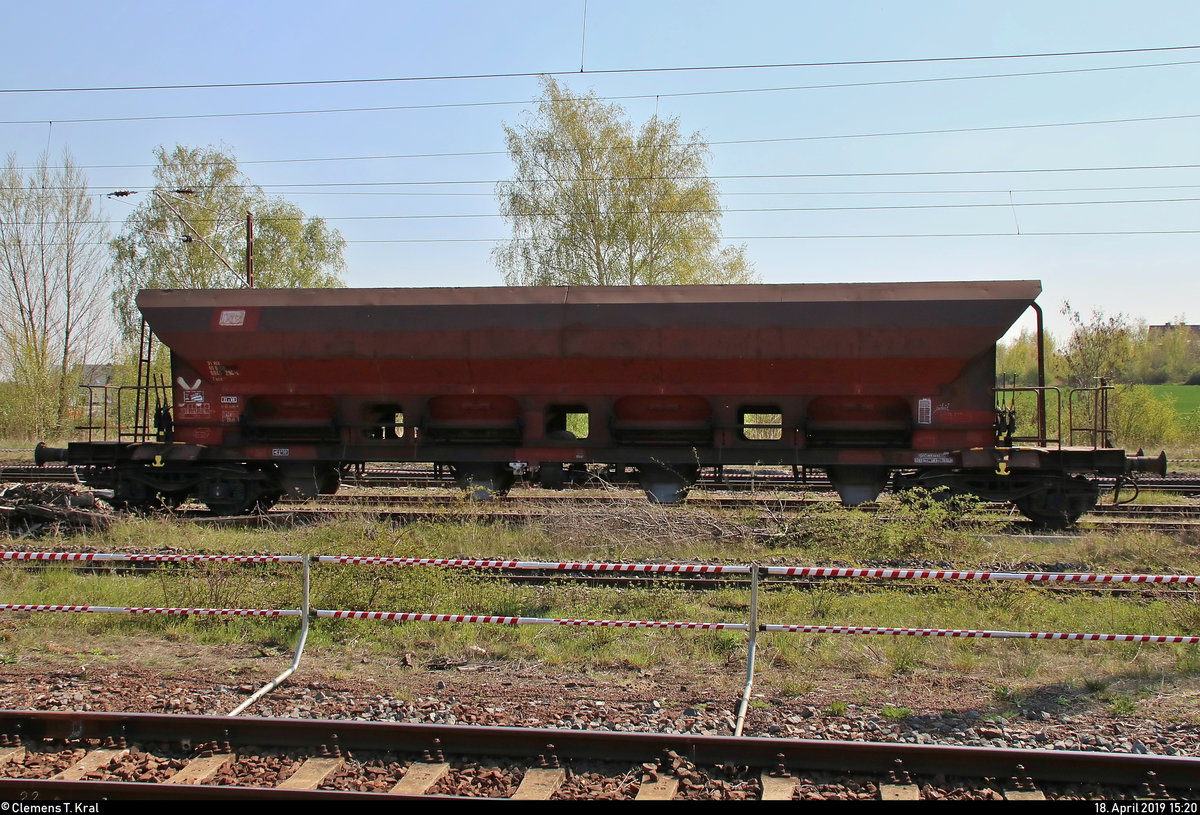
(232, 318)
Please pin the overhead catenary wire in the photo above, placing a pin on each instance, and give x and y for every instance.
(225, 216)
(94, 189)
(376, 187)
(603, 71)
(756, 193)
(729, 238)
(608, 98)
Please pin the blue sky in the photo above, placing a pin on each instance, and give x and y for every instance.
(859, 155)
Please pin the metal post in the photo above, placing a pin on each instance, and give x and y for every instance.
(146, 354)
(741, 714)
(277, 681)
(249, 249)
(1041, 395)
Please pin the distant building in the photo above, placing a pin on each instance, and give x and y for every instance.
(1157, 332)
(97, 401)
(96, 374)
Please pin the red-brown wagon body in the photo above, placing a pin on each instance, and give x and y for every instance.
(860, 379)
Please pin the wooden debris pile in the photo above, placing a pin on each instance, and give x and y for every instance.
(29, 508)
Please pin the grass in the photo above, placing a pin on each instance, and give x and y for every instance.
(1155, 497)
(1186, 398)
(912, 533)
(1123, 706)
(895, 713)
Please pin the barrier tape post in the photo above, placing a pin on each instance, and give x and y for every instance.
(277, 681)
(741, 714)
(753, 627)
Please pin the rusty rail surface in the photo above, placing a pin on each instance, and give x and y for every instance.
(795, 755)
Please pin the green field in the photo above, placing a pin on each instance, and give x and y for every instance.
(1187, 397)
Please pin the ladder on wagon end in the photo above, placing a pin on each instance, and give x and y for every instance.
(131, 419)
(149, 426)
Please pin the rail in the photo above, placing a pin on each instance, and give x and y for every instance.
(779, 763)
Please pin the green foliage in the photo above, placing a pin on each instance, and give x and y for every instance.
(1018, 359)
(1189, 427)
(290, 249)
(917, 525)
(1138, 418)
(1123, 706)
(592, 202)
(903, 656)
(1165, 354)
(1114, 347)
(1099, 347)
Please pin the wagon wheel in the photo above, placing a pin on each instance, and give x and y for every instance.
(238, 496)
(171, 499)
(243, 506)
(1059, 505)
(665, 484)
(137, 496)
(483, 482)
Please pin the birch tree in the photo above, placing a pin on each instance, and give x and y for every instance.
(177, 235)
(594, 201)
(53, 251)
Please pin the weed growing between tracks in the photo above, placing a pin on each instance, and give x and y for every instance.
(919, 527)
(922, 532)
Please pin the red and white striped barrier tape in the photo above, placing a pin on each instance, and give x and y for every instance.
(967, 633)
(204, 612)
(939, 574)
(472, 563)
(408, 616)
(98, 557)
(643, 568)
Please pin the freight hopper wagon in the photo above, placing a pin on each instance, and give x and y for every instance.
(277, 392)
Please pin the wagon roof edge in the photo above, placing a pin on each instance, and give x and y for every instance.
(1026, 290)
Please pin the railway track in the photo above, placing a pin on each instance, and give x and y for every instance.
(445, 508)
(285, 516)
(88, 756)
(746, 481)
(526, 505)
(518, 508)
(781, 504)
